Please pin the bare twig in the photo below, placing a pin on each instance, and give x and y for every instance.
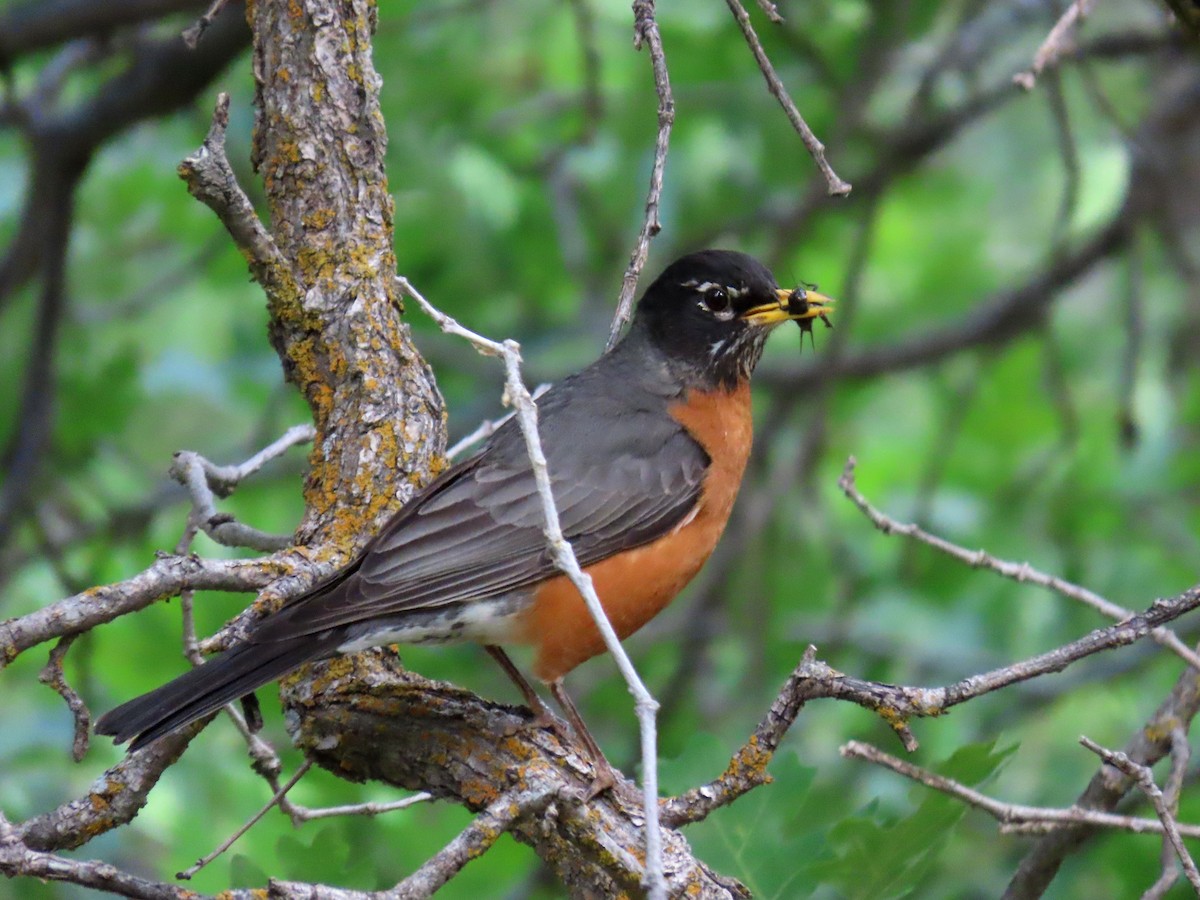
(1021, 572)
(1013, 817)
(1057, 43)
(300, 814)
(1145, 781)
(564, 557)
(16, 859)
(203, 861)
(1069, 152)
(645, 32)
(488, 428)
(472, 841)
(210, 179)
(192, 35)
(813, 679)
(206, 481)
(265, 760)
(1180, 754)
(748, 768)
(304, 814)
(771, 10)
(493, 822)
(835, 185)
(112, 800)
(165, 578)
(1149, 742)
(52, 674)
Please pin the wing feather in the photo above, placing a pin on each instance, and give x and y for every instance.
(622, 474)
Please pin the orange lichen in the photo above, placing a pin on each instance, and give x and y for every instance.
(319, 218)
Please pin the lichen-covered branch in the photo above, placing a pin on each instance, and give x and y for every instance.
(166, 577)
(364, 718)
(897, 705)
(319, 145)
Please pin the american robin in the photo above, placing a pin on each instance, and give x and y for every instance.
(645, 449)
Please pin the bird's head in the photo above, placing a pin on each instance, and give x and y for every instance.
(711, 311)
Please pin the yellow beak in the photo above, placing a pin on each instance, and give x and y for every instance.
(791, 306)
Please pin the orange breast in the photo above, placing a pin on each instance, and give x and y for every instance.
(635, 585)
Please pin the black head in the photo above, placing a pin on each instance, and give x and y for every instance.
(711, 312)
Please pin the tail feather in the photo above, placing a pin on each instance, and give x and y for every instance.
(205, 689)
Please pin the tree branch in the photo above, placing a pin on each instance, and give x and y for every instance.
(897, 704)
(1057, 43)
(1144, 779)
(37, 24)
(645, 32)
(364, 718)
(165, 578)
(205, 481)
(835, 185)
(1013, 817)
(1019, 572)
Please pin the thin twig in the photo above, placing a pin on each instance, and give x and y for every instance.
(264, 758)
(1021, 572)
(1181, 753)
(645, 32)
(835, 185)
(1145, 781)
(194, 32)
(1068, 150)
(203, 861)
(17, 860)
(645, 705)
(487, 428)
(813, 679)
(206, 481)
(748, 767)
(1057, 43)
(771, 10)
(166, 577)
(472, 841)
(52, 675)
(1013, 817)
(305, 814)
(211, 180)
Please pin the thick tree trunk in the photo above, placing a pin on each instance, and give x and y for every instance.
(319, 144)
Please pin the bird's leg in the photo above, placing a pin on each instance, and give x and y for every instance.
(604, 777)
(542, 716)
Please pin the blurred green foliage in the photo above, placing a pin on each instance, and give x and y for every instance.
(516, 212)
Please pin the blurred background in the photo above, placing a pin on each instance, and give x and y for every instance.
(1013, 366)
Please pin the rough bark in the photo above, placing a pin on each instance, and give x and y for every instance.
(364, 718)
(319, 145)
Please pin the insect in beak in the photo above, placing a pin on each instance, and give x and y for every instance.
(798, 305)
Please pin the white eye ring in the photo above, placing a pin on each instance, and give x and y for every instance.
(716, 301)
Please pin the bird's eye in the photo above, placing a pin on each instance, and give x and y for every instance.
(716, 300)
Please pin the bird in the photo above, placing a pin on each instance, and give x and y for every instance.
(645, 447)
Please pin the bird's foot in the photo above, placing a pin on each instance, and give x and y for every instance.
(603, 779)
(544, 718)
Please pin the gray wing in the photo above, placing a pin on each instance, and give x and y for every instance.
(623, 473)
